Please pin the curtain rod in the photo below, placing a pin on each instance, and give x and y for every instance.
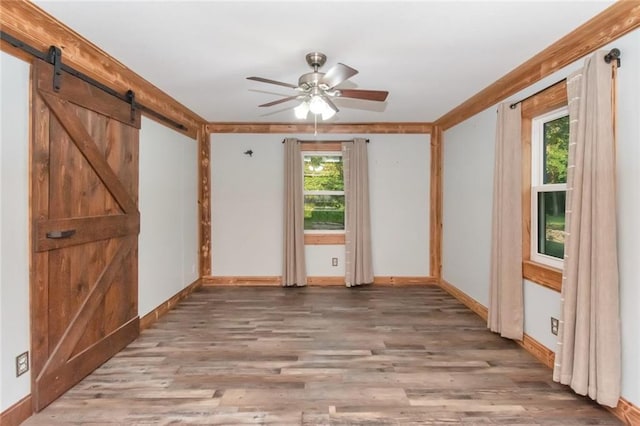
(129, 97)
(613, 55)
(327, 141)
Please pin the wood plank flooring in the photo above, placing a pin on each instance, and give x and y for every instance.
(321, 356)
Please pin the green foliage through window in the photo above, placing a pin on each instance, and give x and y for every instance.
(549, 186)
(323, 192)
(556, 150)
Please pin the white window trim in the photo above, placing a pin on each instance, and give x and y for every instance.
(537, 185)
(321, 154)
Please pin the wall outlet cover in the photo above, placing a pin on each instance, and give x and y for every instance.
(22, 363)
(334, 261)
(554, 326)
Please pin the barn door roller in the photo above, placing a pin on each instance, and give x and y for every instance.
(131, 96)
(55, 57)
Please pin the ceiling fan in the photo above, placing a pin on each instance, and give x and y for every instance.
(316, 89)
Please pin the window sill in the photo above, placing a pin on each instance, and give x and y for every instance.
(323, 239)
(544, 275)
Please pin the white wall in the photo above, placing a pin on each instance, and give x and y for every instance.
(467, 185)
(628, 178)
(468, 179)
(14, 226)
(168, 200)
(399, 173)
(247, 244)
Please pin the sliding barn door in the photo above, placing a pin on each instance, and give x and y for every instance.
(85, 225)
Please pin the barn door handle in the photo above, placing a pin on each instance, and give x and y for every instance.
(56, 235)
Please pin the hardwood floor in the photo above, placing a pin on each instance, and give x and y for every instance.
(321, 356)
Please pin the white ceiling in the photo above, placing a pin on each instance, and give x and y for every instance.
(430, 55)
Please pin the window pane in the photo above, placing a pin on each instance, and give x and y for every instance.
(556, 150)
(551, 223)
(323, 212)
(323, 173)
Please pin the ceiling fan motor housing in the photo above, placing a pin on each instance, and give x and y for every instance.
(310, 80)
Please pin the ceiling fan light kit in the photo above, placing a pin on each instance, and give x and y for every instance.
(317, 89)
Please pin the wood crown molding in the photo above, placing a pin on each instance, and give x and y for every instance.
(364, 128)
(30, 24)
(619, 19)
(153, 316)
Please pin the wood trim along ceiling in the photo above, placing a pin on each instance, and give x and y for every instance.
(27, 22)
(617, 20)
(435, 204)
(153, 316)
(364, 128)
(312, 280)
(625, 411)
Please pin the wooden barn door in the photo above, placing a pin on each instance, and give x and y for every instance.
(85, 225)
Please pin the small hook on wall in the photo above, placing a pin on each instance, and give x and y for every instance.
(249, 153)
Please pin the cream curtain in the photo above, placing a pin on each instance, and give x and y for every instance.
(588, 353)
(358, 264)
(506, 287)
(293, 271)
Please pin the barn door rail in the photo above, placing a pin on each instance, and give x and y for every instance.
(54, 57)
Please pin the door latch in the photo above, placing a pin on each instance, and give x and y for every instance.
(56, 235)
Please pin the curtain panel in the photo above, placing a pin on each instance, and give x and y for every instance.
(358, 260)
(588, 353)
(293, 271)
(506, 299)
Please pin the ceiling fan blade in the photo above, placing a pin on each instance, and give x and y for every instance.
(337, 74)
(266, 80)
(279, 101)
(369, 95)
(330, 103)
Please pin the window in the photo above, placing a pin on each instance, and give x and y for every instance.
(549, 154)
(323, 192)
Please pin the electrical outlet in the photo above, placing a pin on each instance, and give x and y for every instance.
(554, 326)
(334, 261)
(22, 364)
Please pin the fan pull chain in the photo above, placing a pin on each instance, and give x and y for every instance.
(315, 124)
